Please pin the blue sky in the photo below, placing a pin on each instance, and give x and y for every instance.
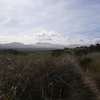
(74, 19)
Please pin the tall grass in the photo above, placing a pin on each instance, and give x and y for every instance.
(42, 76)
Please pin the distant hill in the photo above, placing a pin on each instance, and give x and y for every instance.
(37, 46)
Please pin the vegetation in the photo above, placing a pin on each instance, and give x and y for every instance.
(70, 74)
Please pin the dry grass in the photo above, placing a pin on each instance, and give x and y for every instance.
(42, 77)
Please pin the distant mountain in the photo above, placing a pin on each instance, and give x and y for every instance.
(50, 45)
(11, 45)
(37, 46)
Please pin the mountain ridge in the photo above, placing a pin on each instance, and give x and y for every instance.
(18, 45)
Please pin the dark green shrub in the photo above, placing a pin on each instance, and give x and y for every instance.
(57, 52)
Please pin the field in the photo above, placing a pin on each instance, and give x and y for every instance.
(70, 74)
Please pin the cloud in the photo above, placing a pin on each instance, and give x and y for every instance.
(73, 18)
(42, 37)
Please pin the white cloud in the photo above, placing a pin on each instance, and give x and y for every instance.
(73, 18)
(18, 38)
(42, 37)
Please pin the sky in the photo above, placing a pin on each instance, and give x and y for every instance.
(56, 21)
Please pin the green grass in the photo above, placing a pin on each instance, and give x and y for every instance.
(46, 76)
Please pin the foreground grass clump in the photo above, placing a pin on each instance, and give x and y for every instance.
(91, 64)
